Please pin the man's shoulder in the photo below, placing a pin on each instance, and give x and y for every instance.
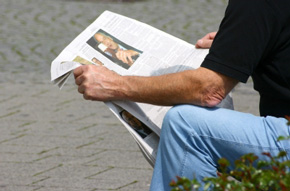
(280, 7)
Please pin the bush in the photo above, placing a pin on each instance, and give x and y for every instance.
(272, 174)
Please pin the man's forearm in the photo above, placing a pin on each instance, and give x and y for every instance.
(200, 87)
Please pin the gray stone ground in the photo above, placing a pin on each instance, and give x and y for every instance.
(54, 140)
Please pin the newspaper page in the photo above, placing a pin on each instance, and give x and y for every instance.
(152, 52)
(156, 53)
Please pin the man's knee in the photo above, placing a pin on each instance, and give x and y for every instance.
(187, 118)
(181, 116)
(183, 112)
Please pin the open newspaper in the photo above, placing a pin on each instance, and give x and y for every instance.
(152, 52)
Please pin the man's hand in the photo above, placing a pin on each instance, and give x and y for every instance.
(97, 82)
(126, 56)
(206, 41)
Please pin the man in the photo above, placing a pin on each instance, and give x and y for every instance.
(253, 40)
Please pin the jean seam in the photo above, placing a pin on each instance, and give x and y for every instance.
(186, 146)
(185, 156)
(281, 148)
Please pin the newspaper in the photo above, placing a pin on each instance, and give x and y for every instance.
(152, 51)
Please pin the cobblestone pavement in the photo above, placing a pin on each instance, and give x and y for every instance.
(54, 140)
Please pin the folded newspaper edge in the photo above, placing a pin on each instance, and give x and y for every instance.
(155, 53)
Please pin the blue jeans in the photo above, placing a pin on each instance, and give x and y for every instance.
(194, 138)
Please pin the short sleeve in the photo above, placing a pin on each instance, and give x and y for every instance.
(245, 37)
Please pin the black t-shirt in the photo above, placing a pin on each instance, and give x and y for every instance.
(254, 40)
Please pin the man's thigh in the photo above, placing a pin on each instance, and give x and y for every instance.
(230, 134)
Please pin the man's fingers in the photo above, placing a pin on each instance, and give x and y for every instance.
(206, 41)
(209, 36)
(212, 35)
(202, 43)
(86, 97)
(79, 80)
(130, 59)
(78, 71)
(81, 72)
(81, 89)
(122, 56)
(125, 57)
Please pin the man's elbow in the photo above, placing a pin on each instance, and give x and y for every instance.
(212, 102)
(212, 98)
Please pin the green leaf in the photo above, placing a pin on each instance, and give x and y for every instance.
(282, 154)
(262, 164)
(281, 138)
